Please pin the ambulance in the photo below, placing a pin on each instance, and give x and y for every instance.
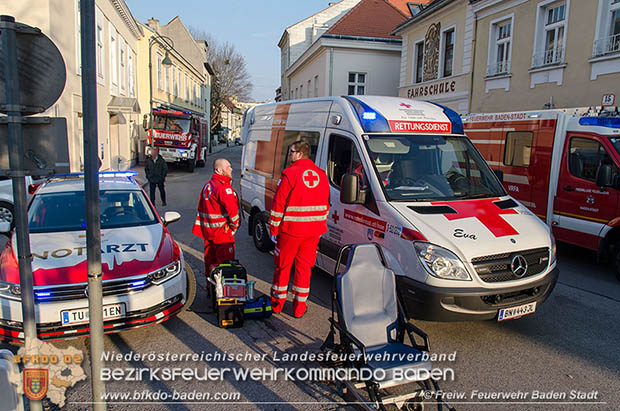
(564, 165)
(403, 174)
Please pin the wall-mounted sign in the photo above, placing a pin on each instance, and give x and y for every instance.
(431, 52)
(434, 89)
(608, 100)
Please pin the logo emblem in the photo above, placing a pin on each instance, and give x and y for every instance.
(405, 105)
(35, 383)
(590, 200)
(518, 265)
(310, 178)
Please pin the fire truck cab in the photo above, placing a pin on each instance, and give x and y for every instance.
(181, 137)
(564, 165)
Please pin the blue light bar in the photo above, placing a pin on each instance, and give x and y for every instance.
(612, 122)
(138, 283)
(118, 174)
(454, 117)
(370, 120)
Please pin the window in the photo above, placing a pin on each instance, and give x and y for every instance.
(167, 79)
(179, 82)
(160, 77)
(518, 148)
(316, 86)
(357, 83)
(186, 88)
(175, 88)
(78, 39)
(448, 52)
(586, 156)
(301, 91)
(113, 55)
(100, 52)
(550, 47)
(131, 74)
(123, 71)
(608, 30)
(500, 47)
(290, 137)
(419, 61)
(308, 89)
(344, 159)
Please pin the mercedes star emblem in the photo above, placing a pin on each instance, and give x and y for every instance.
(518, 265)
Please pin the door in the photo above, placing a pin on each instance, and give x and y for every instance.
(581, 207)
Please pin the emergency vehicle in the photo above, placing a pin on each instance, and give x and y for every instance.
(181, 137)
(403, 174)
(562, 164)
(145, 278)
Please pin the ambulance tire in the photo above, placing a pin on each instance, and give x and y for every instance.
(200, 163)
(7, 213)
(190, 289)
(261, 234)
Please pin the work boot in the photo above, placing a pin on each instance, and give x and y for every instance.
(277, 305)
(299, 310)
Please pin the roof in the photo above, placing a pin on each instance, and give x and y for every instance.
(432, 7)
(370, 18)
(75, 183)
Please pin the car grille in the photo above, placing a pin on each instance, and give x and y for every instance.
(496, 268)
(78, 291)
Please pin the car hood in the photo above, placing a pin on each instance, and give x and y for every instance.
(60, 258)
(476, 228)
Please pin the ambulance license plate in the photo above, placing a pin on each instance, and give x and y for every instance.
(516, 312)
(80, 315)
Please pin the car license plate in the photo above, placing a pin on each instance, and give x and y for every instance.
(516, 312)
(80, 315)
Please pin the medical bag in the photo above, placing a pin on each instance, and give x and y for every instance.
(258, 307)
(229, 312)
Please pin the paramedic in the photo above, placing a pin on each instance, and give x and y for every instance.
(298, 218)
(218, 216)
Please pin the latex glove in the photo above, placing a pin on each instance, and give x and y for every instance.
(274, 239)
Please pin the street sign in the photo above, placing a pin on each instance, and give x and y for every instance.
(41, 71)
(46, 150)
(608, 99)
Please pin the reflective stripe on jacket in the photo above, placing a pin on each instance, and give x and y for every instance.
(301, 203)
(218, 211)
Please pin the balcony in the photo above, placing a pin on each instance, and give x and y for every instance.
(606, 46)
(550, 57)
(499, 68)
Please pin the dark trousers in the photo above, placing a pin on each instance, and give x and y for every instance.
(162, 192)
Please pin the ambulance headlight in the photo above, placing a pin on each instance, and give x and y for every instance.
(441, 263)
(10, 291)
(166, 273)
(554, 249)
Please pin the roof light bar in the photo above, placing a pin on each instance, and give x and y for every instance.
(612, 122)
(454, 117)
(370, 120)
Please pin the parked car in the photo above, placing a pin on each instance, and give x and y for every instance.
(145, 277)
(7, 203)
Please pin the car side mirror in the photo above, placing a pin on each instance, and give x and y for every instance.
(499, 174)
(604, 177)
(350, 192)
(5, 227)
(171, 217)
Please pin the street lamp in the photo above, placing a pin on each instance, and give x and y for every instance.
(166, 42)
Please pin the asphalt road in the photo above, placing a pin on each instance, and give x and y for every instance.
(563, 357)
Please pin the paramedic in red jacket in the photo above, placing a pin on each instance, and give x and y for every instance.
(298, 218)
(218, 216)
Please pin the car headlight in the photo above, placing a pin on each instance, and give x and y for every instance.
(10, 291)
(554, 249)
(441, 263)
(166, 273)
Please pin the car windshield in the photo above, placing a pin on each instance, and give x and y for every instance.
(430, 168)
(615, 141)
(167, 123)
(52, 212)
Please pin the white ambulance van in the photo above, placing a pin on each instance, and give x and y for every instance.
(403, 174)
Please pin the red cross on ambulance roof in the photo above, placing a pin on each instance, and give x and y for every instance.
(311, 179)
(485, 211)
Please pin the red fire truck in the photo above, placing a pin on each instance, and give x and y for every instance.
(181, 137)
(564, 165)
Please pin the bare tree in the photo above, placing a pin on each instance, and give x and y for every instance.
(231, 75)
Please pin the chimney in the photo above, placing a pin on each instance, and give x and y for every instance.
(154, 24)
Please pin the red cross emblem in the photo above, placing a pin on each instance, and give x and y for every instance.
(310, 178)
(405, 105)
(335, 217)
(486, 212)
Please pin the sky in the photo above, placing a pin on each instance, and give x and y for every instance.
(254, 27)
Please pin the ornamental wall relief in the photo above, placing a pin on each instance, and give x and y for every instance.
(431, 52)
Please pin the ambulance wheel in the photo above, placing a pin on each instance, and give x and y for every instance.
(261, 234)
(190, 289)
(191, 165)
(413, 405)
(7, 213)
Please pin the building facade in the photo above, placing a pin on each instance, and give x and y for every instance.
(436, 54)
(117, 36)
(183, 85)
(545, 54)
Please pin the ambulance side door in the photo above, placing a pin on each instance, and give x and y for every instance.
(342, 157)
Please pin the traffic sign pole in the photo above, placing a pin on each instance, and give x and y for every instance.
(13, 110)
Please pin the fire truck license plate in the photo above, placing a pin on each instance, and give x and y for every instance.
(516, 312)
(80, 315)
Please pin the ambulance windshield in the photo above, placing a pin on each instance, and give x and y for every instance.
(430, 168)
